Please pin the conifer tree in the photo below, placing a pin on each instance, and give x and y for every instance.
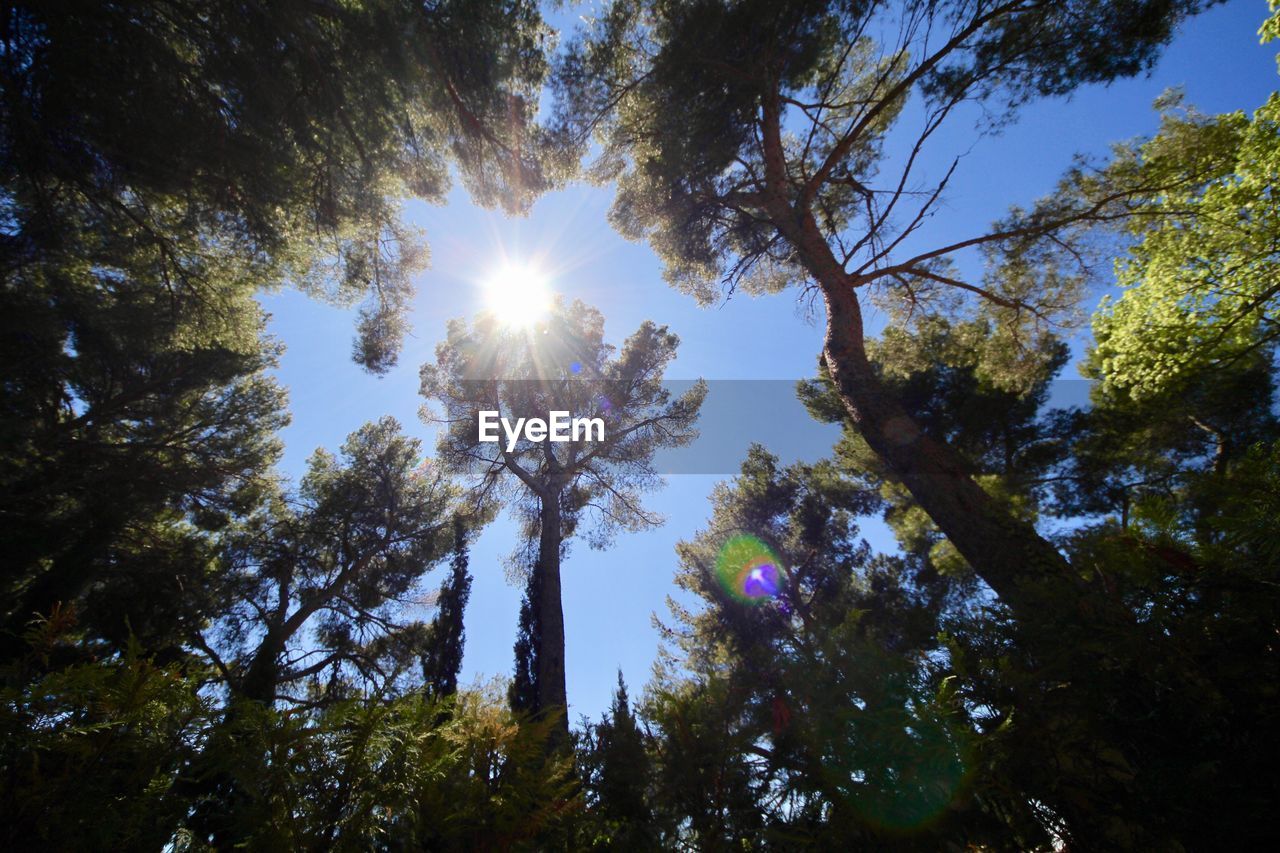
(748, 142)
(446, 637)
(316, 580)
(590, 484)
(160, 164)
(621, 785)
(287, 132)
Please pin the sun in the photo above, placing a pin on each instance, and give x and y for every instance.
(517, 295)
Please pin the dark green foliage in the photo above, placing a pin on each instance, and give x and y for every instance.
(827, 715)
(522, 694)
(680, 94)
(194, 656)
(134, 422)
(89, 752)
(160, 163)
(618, 778)
(955, 384)
(407, 774)
(99, 756)
(748, 142)
(442, 657)
(141, 111)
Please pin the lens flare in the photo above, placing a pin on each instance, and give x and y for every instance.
(748, 570)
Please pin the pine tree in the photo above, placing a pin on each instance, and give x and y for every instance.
(620, 791)
(366, 104)
(591, 484)
(825, 713)
(227, 148)
(317, 576)
(446, 637)
(748, 139)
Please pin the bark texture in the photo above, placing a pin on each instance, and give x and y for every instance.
(552, 697)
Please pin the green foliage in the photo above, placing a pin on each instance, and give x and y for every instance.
(826, 715)
(1159, 494)
(748, 143)
(618, 779)
(598, 483)
(89, 752)
(136, 421)
(1200, 279)
(523, 691)
(684, 98)
(411, 773)
(226, 149)
(316, 580)
(123, 754)
(955, 382)
(193, 656)
(442, 656)
(367, 103)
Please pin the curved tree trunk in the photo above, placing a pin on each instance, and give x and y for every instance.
(1059, 615)
(1057, 612)
(1008, 553)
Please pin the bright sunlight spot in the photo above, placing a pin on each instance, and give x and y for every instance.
(518, 295)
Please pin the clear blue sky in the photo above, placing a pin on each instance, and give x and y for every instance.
(609, 596)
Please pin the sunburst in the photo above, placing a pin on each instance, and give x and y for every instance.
(518, 295)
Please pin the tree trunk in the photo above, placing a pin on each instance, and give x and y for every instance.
(552, 697)
(1007, 552)
(1060, 616)
(1016, 561)
(260, 680)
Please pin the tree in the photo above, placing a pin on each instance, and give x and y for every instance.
(618, 777)
(522, 693)
(1205, 256)
(747, 142)
(367, 103)
(317, 579)
(404, 773)
(89, 751)
(948, 378)
(144, 209)
(1130, 449)
(136, 423)
(1152, 489)
(442, 657)
(315, 585)
(830, 692)
(591, 482)
(1200, 278)
(1155, 490)
(1144, 489)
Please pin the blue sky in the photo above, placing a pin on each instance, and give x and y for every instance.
(609, 596)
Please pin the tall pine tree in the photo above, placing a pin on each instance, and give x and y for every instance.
(591, 484)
